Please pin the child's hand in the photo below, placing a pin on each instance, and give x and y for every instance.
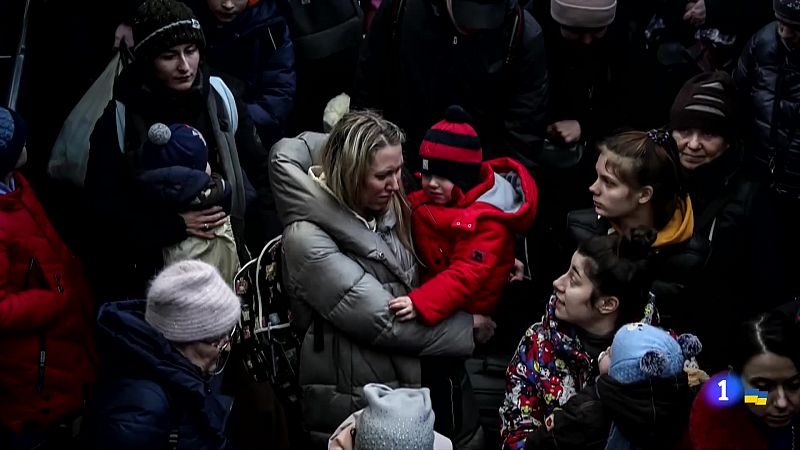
(517, 272)
(402, 308)
(604, 361)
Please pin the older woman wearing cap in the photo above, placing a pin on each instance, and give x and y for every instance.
(160, 357)
(732, 211)
(166, 83)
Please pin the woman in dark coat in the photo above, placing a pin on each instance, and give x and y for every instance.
(167, 83)
(744, 272)
(158, 387)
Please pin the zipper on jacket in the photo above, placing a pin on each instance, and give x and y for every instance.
(42, 360)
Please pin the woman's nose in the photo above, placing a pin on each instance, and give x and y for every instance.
(394, 183)
(558, 283)
(594, 188)
(781, 402)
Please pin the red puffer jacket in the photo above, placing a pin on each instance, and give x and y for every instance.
(467, 246)
(46, 317)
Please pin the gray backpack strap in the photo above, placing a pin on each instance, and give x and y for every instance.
(228, 101)
(121, 125)
(229, 158)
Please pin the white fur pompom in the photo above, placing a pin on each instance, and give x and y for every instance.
(336, 108)
(159, 134)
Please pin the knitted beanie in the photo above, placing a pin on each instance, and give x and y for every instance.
(13, 134)
(787, 11)
(190, 302)
(583, 13)
(706, 102)
(162, 24)
(395, 419)
(452, 149)
(176, 145)
(642, 351)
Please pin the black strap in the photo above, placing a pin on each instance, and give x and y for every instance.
(775, 122)
(517, 28)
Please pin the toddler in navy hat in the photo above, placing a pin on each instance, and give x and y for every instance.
(176, 177)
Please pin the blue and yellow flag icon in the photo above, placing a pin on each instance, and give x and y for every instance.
(755, 397)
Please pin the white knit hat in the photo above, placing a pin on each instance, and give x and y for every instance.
(189, 302)
(583, 13)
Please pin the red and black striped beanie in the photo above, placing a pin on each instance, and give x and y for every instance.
(451, 149)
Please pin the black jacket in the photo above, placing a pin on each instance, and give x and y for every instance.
(428, 66)
(651, 415)
(744, 271)
(119, 215)
(769, 71)
(255, 49)
(593, 84)
(676, 268)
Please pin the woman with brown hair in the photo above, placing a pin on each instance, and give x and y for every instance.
(640, 184)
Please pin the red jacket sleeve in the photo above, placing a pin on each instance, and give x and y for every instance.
(475, 260)
(27, 310)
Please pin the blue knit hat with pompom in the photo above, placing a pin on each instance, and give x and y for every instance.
(13, 134)
(642, 351)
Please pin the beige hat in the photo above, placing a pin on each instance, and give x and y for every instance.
(583, 13)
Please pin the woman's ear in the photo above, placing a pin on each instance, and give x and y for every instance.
(608, 305)
(645, 194)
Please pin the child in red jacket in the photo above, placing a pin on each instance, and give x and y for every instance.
(46, 312)
(464, 222)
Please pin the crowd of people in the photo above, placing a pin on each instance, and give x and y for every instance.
(635, 166)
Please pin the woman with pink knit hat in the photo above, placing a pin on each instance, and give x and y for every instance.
(159, 386)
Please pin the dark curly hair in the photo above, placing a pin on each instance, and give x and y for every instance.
(619, 266)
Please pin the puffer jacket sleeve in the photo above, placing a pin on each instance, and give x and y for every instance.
(521, 412)
(274, 93)
(580, 424)
(356, 303)
(743, 79)
(475, 261)
(31, 309)
(129, 415)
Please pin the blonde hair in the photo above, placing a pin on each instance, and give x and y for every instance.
(347, 156)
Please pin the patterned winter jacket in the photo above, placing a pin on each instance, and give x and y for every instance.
(549, 367)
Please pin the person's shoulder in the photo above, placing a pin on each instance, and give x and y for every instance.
(135, 394)
(766, 40)
(532, 28)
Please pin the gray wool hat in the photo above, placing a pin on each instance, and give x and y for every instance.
(189, 302)
(395, 419)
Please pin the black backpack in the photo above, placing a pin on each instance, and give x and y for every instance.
(321, 28)
(270, 346)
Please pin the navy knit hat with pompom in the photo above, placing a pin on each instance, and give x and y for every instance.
(640, 352)
(176, 145)
(13, 134)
